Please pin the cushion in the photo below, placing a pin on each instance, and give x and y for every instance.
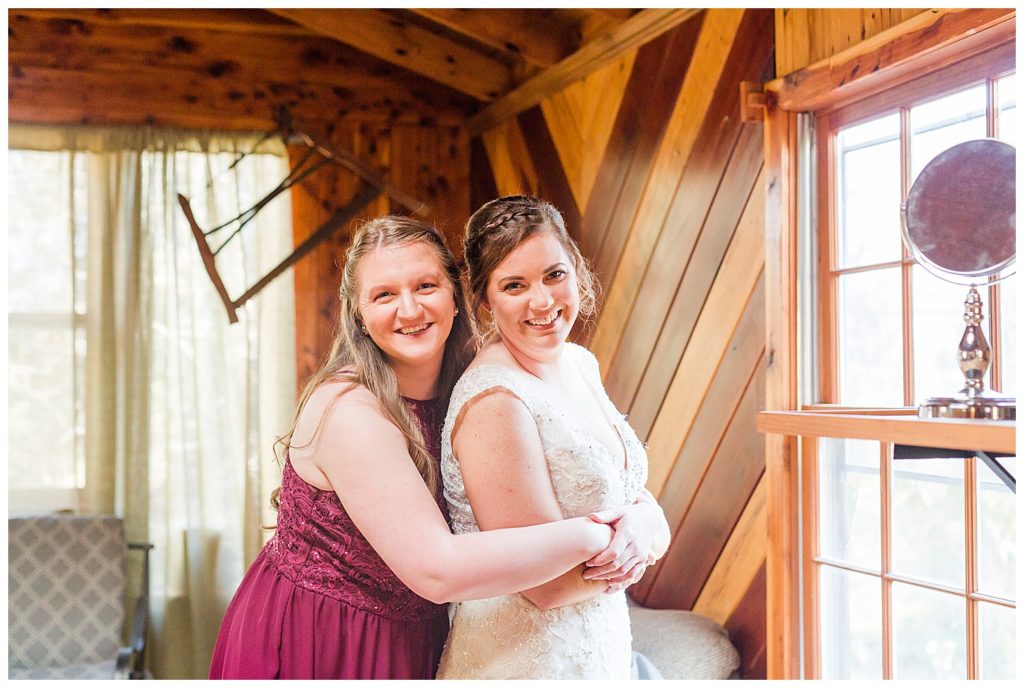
(683, 645)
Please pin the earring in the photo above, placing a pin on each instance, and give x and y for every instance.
(456, 310)
(363, 328)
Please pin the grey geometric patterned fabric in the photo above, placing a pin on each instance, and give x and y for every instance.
(71, 672)
(65, 587)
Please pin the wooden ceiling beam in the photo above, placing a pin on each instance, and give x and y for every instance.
(411, 47)
(250, 21)
(528, 34)
(631, 34)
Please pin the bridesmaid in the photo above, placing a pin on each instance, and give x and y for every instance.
(353, 581)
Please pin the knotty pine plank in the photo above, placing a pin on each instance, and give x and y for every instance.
(482, 186)
(720, 131)
(737, 281)
(713, 47)
(706, 432)
(741, 363)
(580, 119)
(747, 629)
(552, 184)
(734, 195)
(739, 563)
(653, 87)
(724, 491)
(510, 160)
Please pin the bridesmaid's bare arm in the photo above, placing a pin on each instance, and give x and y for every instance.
(363, 457)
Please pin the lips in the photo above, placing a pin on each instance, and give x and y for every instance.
(415, 329)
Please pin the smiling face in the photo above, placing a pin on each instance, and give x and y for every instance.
(407, 304)
(534, 297)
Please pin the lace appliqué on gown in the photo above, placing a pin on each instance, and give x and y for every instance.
(507, 636)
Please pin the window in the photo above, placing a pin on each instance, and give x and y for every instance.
(890, 327)
(909, 565)
(46, 329)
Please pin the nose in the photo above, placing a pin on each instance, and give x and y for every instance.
(540, 297)
(408, 306)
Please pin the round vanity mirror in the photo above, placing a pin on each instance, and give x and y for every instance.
(960, 223)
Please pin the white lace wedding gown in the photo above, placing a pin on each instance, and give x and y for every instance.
(508, 637)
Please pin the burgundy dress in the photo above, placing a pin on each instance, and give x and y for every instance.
(319, 602)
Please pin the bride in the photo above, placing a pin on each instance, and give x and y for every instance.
(532, 437)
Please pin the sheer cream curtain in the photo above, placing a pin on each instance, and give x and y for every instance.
(181, 407)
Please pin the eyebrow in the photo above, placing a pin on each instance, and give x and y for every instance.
(436, 276)
(520, 277)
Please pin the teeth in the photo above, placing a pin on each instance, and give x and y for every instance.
(414, 330)
(550, 319)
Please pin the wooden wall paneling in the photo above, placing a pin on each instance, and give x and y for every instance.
(723, 309)
(452, 180)
(924, 43)
(704, 169)
(724, 491)
(511, 165)
(552, 184)
(482, 186)
(700, 272)
(435, 162)
(805, 35)
(739, 563)
(658, 74)
(711, 423)
(313, 201)
(713, 47)
(600, 110)
(580, 119)
(746, 629)
(699, 182)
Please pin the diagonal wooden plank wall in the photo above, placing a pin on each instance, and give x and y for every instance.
(430, 162)
(662, 185)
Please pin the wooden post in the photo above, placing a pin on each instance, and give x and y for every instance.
(783, 565)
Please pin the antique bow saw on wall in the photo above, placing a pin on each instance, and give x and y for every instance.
(318, 154)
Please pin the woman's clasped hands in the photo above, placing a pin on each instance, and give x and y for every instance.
(637, 542)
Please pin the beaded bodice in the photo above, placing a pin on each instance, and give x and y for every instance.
(318, 547)
(507, 636)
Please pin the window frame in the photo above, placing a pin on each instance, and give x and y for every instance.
(988, 67)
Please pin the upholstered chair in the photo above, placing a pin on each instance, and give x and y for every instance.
(66, 599)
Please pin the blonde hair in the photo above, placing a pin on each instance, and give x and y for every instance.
(499, 226)
(354, 357)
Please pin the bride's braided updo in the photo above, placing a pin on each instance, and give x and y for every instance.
(499, 226)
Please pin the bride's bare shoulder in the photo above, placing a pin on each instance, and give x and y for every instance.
(493, 353)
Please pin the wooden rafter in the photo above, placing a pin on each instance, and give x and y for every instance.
(529, 35)
(410, 47)
(642, 27)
